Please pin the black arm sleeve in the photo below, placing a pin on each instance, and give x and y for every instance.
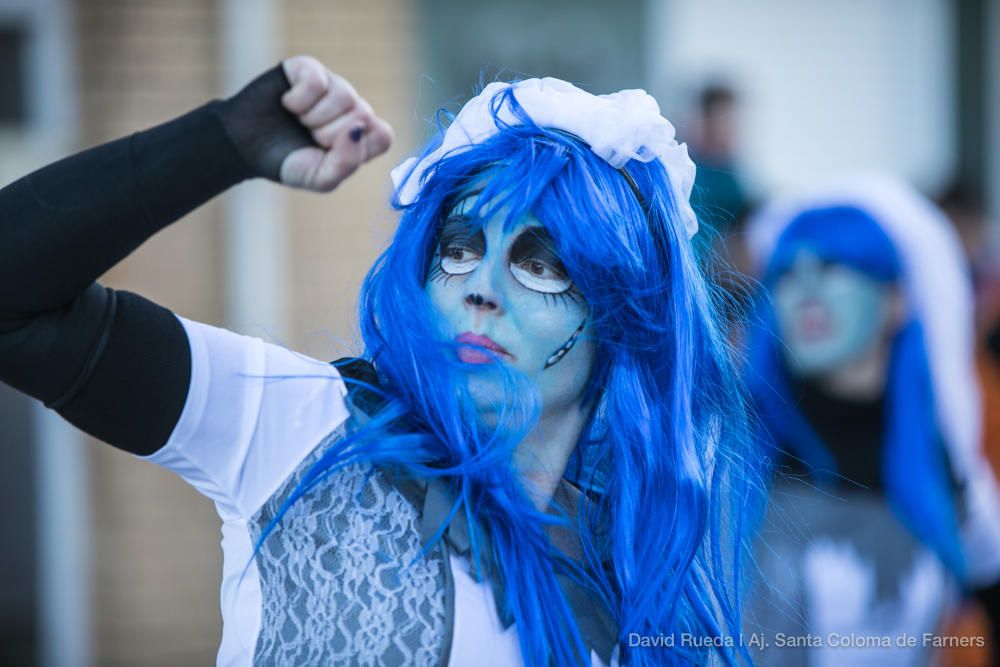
(113, 363)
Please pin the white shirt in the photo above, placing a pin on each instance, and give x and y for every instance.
(253, 412)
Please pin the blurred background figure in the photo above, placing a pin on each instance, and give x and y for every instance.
(965, 207)
(967, 211)
(107, 560)
(720, 198)
(883, 508)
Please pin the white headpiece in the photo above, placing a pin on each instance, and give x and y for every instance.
(623, 126)
(939, 293)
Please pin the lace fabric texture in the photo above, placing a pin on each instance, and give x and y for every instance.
(341, 577)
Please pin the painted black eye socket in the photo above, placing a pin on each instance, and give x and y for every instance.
(460, 246)
(540, 277)
(533, 261)
(535, 264)
(456, 260)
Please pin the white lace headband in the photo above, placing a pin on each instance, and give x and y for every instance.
(623, 126)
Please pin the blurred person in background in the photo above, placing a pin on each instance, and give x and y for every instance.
(861, 364)
(719, 196)
(542, 457)
(967, 214)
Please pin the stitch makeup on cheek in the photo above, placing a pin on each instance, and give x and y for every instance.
(557, 356)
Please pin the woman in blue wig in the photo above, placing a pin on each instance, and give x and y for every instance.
(541, 455)
(861, 367)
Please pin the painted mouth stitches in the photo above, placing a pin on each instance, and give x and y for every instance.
(470, 338)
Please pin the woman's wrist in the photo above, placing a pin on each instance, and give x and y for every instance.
(181, 164)
(262, 131)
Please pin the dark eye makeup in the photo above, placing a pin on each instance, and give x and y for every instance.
(459, 250)
(533, 261)
(458, 231)
(534, 243)
(535, 264)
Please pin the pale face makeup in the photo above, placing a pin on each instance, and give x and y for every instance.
(506, 290)
(829, 315)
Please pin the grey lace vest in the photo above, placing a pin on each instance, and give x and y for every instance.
(342, 577)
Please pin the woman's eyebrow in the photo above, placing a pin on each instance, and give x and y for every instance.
(457, 225)
(536, 234)
(458, 207)
(534, 241)
(461, 230)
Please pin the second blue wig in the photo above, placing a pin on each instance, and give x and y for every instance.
(915, 466)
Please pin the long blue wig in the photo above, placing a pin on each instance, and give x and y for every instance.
(915, 467)
(674, 482)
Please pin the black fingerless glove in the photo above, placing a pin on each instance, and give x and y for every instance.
(263, 131)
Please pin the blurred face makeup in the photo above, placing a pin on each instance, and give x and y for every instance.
(829, 314)
(504, 296)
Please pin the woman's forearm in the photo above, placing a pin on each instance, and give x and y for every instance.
(113, 363)
(66, 224)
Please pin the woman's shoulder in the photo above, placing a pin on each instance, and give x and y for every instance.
(254, 411)
(329, 481)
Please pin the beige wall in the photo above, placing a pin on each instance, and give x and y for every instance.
(156, 541)
(157, 559)
(336, 237)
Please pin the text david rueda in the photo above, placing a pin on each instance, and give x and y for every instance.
(780, 640)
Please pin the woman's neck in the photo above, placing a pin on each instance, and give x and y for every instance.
(861, 379)
(542, 456)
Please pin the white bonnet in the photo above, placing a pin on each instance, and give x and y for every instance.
(619, 127)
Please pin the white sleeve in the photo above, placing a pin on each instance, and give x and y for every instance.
(253, 411)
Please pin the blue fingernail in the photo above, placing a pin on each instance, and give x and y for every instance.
(356, 134)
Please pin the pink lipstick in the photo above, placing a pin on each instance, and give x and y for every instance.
(471, 355)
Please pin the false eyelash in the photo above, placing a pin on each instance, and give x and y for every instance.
(562, 298)
(439, 275)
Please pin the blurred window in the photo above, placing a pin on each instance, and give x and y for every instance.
(13, 43)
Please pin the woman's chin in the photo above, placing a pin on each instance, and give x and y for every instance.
(488, 395)
(492, 396)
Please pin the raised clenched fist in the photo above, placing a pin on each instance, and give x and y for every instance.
(304, 126)
(341, 122)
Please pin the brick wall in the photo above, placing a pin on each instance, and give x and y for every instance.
(157, 559)
(336, 237)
